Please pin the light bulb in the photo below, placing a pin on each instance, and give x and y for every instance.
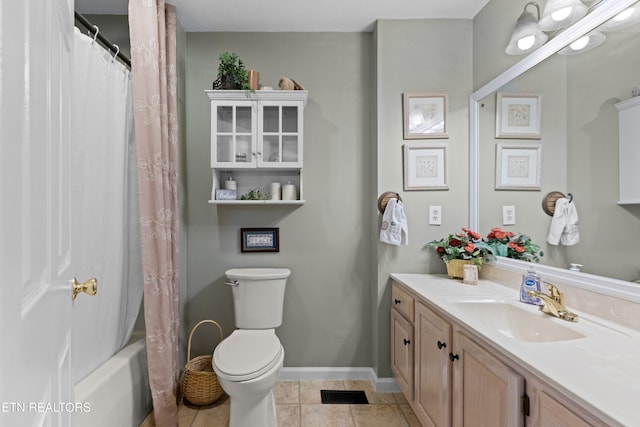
(561, 14)
(526, 42)
(625, 14)
(580, 43)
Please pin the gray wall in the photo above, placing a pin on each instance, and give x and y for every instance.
(326, 242)
(337, 300)
(417, 56)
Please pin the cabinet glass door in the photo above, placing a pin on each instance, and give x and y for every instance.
(281, 141)
(233, 135)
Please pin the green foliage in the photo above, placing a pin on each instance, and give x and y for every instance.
(507, 244)
(469, 245)
(231, 73)
(461, 245)
(255, 194)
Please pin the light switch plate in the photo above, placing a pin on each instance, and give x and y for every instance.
(508, 215)
(435, 215)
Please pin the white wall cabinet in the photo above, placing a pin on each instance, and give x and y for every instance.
(257, 139)
(458, 379)
(629, 150)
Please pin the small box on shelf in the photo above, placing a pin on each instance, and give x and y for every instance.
(224, 194)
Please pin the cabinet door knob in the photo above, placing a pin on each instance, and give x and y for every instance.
(406, 341)
(441, 345)
(397, 301)
(453, 357)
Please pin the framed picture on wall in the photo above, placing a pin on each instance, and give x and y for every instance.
(425, 115)
(518, 115)
(518, 166)
(425, 166)
(259, 240)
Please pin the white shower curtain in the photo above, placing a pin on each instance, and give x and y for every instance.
(105, 234)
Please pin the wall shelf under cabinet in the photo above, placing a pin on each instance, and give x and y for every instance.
(258, 202)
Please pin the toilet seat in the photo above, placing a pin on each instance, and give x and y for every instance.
(247, 354)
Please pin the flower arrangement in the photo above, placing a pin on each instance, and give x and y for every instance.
(461, 245)
(507, 244)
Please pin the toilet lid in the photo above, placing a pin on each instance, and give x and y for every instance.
(247, 353)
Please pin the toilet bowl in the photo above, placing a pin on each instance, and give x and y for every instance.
(248, 362)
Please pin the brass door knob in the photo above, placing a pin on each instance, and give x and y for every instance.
(90, 287)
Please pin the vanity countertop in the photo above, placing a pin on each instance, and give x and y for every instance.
(600, 369)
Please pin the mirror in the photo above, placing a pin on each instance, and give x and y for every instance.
(579, 140)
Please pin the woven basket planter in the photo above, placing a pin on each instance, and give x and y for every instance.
(455, 268)
(200, 385)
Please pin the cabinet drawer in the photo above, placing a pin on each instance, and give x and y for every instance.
(402, 301)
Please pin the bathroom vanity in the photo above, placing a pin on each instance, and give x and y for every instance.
(464, 355)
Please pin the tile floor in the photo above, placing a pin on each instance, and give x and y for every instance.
(298, 404)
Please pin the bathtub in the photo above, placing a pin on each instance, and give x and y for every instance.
(118, 391)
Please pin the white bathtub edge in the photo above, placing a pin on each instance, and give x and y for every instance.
(117, 393)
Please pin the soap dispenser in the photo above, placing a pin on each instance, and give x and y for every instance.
(230, 183)
(530, 282)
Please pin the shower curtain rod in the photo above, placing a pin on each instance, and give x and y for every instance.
(92, 29)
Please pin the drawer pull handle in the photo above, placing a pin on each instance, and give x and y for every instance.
(453, 357)
(406, 341)
(397, 301)
(441, 345)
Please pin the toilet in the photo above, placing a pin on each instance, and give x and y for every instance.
(249, 360)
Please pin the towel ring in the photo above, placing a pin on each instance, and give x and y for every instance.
(384, 199)
(549, 201)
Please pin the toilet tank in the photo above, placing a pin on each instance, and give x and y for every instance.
(258, 296)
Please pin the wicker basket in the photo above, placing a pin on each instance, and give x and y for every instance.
(455, 268)
(200, 384)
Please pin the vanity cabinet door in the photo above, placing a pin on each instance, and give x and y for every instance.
(402, 353)
(550, 408)
(432, 403)
(486, 392)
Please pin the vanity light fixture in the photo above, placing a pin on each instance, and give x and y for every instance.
(622, 20)
(559, 14)
(587, 42)
(526, 35)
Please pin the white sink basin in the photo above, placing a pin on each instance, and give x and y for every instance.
(515, 320)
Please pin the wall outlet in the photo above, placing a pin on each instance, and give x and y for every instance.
(435, 215)
(508, 215)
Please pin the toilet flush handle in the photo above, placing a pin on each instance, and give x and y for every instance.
(234, 283)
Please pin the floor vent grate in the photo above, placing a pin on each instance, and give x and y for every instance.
(351, 397)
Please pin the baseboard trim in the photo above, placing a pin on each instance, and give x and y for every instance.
(381, 385)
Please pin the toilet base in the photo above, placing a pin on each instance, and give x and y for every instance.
(253, 412)
(251, 402)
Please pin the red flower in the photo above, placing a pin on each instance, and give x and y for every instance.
(469, 247)
(454, 242)
(439, 249)
(515, 247)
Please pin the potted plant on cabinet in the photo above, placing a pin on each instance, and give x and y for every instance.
(232, 74)
(459, 249)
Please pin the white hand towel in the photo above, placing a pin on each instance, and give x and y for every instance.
(394, 229)
(564, 224)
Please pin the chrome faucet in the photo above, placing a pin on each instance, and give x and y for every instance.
(553, 303)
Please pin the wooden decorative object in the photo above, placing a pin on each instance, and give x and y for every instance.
(549, 202)
(384, 199)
